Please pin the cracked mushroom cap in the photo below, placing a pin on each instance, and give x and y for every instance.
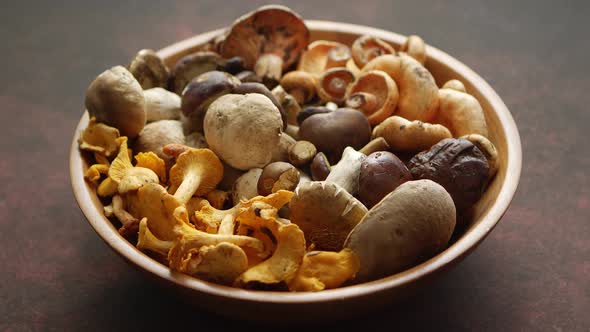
(197, 171)
(270, 30)
(243, 130)
(326, 213)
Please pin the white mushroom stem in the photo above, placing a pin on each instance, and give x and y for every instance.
(119, 211)
(269, 66)
(227, 225)
(188, 187)
(346, 172)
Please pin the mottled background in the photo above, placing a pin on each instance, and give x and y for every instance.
(531, 273)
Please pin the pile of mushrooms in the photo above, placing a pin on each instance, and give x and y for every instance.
(266, 161)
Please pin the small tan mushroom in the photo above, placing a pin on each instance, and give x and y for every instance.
(461, 113)
(99, 138)
(333, 84)
(196, 172)
(149, 70)
(129, 224)
(243, 130)
(418, 93)
(454, 85)
(246, 186)
(277, 176)
(288, 103)
(415, 136)
(161, 104)
(366, 48)
(410, 225)
(301, 153)
(269, 39)
(115, 98)
(300, 84)
(156, 135)
(415, 47)
(281, 152)
(375, 94)
(315, 59)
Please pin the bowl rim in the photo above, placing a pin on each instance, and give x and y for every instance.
(464, 245)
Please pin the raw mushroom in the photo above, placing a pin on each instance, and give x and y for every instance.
(325, 270)
(381, 172)
(415, 47)
(326, 213)
(147, 241)
(319, 56)
(418, 93)
(157, 134)
(289, 105)
(410, 225)
(221, 263)
(461, 113)
(260, 88)
(375, 94)
(487, 148)
(333, 84)
(201, 92)
(366, 48)
(99, 138)
(300, 84)
(115, 98)
(191, 66)
(320, 167)
(281, 151)
(196, 172)
(412, 136)
(277, 176)
(311, 110)
(246, 186)
(149, 70)
(332, 132)
(269, 39)
(129, 224)
(161, 104)
(301, 153)
(126, 177)
(243, 130)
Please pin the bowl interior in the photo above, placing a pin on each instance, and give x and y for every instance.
(488, 211)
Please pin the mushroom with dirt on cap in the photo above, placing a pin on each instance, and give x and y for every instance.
(243, 130)
(269, 39)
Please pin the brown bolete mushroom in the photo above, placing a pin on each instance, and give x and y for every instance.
(487, 148)
(149, 70)
(196, 172)
(381, 172)
(201, 92)
(410, 225)
(309, 111)
(301, 153)
(269, 39)
(375, 94)
(334, 131)
(243, 130)
(333, 84)
(191, 66)
(365, 48)
(418, 93)
(277, 176)
(320, 167)
(115, 98)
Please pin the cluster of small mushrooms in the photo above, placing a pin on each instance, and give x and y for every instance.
(264, 161)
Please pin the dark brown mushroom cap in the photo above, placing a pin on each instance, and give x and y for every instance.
(457, 165)
(271, 29)
(202, 91)
(191, 66)
(309, 111)
(334, 131)
(381, 172)
(253, 87)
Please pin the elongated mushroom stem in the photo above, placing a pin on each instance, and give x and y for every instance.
(197, 171)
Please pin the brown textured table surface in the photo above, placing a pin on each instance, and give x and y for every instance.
(531, 273)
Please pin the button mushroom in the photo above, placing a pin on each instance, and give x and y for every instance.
(252, 87)
(157, 134)
(332, 132)
(115, 98)
(380, 173)
(243, 130)
(149, 70)
(410, 225)
(269, 39)
(201, 92)
(196, 172)
(161, 104)
(375, 94)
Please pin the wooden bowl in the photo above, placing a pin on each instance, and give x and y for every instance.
(346, 301)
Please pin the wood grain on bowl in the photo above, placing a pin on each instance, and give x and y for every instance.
(354, 299)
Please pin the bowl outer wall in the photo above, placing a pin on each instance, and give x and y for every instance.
(279, 306)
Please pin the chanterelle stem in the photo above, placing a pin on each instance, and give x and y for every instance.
(188, 187)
